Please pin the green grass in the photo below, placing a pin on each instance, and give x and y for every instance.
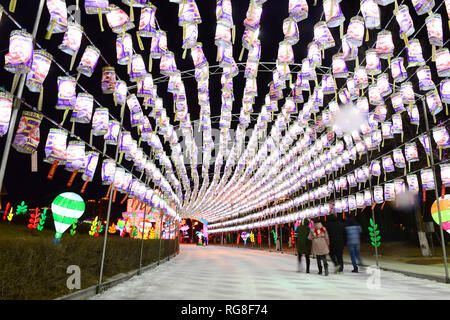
(32, 267)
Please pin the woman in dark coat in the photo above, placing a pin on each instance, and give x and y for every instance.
(336, 231)
(303, 243)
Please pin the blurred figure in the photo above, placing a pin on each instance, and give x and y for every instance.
(320, 245)
(303, 244)
(336, 232)
(353, 230)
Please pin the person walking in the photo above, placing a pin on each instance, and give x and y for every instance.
(336, 233)
(320, 245)
(353, 229)
(303, 244)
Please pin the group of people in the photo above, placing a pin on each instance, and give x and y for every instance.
(320, 241)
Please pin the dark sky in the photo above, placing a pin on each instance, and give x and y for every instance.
(22, 184)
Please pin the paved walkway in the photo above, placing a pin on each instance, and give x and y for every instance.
(214, 272)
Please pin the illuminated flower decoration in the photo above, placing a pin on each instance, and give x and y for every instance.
(55, 147)
(6, 102)
(414, 53)
(118, 20)
(88, 61)
(75, 155)
(19, 59)
(72, 41)
(97, 7)
(298, 10)
(108, 170)
(100, 121)
(58, 17)
(83, 108)
(39, 71)
(27, 135)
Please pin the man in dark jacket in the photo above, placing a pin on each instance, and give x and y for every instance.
(336, 232)
(303, 244)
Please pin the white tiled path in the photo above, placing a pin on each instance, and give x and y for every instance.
(214, 272)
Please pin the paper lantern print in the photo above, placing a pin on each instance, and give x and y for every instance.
(188, 13)
(422, 6)
(444, 206)
(88, 61)
(167, 64)
(445, 174)
(120, 92)
(434, 102)
(138, 68)
(371, 14)
(118, 20)
(100, 122)
(39, 70)
(298, 10)
(333, 13)
(158, 45)
(355, 31)
(108, 170)
(6, 102)
(147, 22)
(83, 108)
(413, 183)
(108, 80)
(91, 165)
(124, 48)
(426, 175)
(443, 62)
(434, 29)
(441, 137)
(58, 16)
(111, 137)
(27, 135)
(414, 53)
(290, 31)
(55, 147)
(190, 37)
(445, 90)
(67, 95)
(72, 39)
(67, 208)
(75, 155)
(323, 35)
(405, 22)
(425, 80)
(20, 56)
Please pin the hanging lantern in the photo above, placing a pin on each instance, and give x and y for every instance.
(253, 16)
(426, 176)
(108, 170)
(167, 64)
(349, 52)
(411, 153)
(434, 103)
(145, 86)
(147, 22)
(118, 20)
(100, 122)
(55, 149)
(423, 6)
(119, 178)
(19, 59)
(58, 17)
(371, 14)
(97, 7)
(434, 29)
(425, 81)
(360, 78)
(333, 13)
(83, 108)
(398, 70)
(188, 13)
(298, 10)
(440, 136)
(397, 102)
(91, 165)
(75, 155)
(314, 54)
(120, 92)
(405, 22)
(27, 135)
(355, 31)
(39, 71)
(445, 92)
(108, 80)
(407, 92)
(190, 37)
(6, 102)
(72, 41)
(290, 31)
(158, 45)
(198, 57)
(137, 69)
(385, 45)
(414, 52)
(443, 62)
(384, 85)
(112, 135)
(375, 97)
(88, 61)
(373, 64)
(124, 48)
(323, 35)
(67, 95)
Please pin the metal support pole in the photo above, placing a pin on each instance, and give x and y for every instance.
(373, 213)
(433, 169)
(16, 105)
(142, 238)
(116, 157)
(160, 238)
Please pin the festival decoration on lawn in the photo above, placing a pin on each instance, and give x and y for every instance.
(42, 219)
(73, 229)
(67, 208)
(22, 208)
(374, 234)
(34, 219)
(112, 229)
(444, 206)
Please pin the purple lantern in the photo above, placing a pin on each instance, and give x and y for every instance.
(6, 102)
(108, 80)
(91, 165)
(55, 147)
(67, 95)
(75, 155)
(112, 135)
(100, 122)
(83, 108)
(27, 135)
(88, 61)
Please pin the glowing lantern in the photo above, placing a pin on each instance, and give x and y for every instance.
(58, 17)
(158, 45)
(39, 71)
(100, 122)
(188, 13)
(445, 175)
(67, 208)
(97, 7)
(414, 52)
(349, 52)
(371, 14)
(323, 35)
(124, 48)
(55, 147)
(398, 70)
(405, 22)
(443, 62)
(441, 137)
(27, 135)
(444, 207)
(91, 165)
(72, 41)
(20, 56)
(6, 102)
(137, 69)
(355, 31)
(108, 170)
(118, 20)
(167, 64)
(198, 57)
(290, 30)
(425, 81)
(434, 103)
(360, 78)
(145, 86)
(445, 93)
(88, 61)
(413, 183)
(120, 92)
(423, 6)
(108, 80)
(83, 108)
(333, 13)
(373, 64)
(426, 175)
(67, 95)
(411, 153)
(383, 85)
(384, 45)
(298, 10)
(434, 29)
(75, 156)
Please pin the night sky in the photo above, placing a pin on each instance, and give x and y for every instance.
(22, 184)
